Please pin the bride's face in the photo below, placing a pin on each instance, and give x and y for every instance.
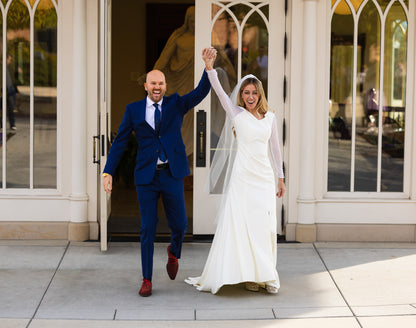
(250, 96)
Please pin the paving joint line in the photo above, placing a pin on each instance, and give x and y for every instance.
(336, 285)
(387, 315)
(49, 284)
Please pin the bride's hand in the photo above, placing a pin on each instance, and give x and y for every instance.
(281, 188)
(209, 55)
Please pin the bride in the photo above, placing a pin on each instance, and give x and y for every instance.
(244, 245)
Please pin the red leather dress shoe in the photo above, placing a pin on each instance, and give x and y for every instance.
(146, 289)
(172, 265)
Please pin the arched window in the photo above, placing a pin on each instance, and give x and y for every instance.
(367, 105)
(29, 94)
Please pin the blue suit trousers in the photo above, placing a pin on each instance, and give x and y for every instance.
(172, 192)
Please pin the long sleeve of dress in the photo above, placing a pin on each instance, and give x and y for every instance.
(231, 109)
(275, 150)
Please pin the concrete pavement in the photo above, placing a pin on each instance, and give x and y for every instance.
(60, 284)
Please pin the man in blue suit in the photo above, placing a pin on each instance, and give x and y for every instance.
(161, 164)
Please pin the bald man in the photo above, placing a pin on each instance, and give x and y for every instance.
(161, 164)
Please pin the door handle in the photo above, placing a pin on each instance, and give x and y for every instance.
(102, 145)
(96, 140)
(201, 140)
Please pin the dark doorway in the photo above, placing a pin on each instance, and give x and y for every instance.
(161, 20)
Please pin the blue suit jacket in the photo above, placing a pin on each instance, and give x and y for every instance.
(174, 108)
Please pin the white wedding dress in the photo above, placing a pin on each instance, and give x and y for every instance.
(244, 245)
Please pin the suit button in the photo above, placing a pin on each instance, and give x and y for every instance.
(160, 137)
(157, 151)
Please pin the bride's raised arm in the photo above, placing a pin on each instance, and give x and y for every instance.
(209, 55)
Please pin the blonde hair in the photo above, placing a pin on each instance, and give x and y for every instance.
(262, 106)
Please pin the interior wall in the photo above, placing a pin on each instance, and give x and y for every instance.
(128, 53)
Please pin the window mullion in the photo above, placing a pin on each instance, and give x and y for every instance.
(380, 103)
(354, 101)
(31, 99)
(239, 50)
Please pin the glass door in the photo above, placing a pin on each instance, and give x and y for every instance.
(249, 38)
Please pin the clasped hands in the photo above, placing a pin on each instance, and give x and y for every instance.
(209, 55)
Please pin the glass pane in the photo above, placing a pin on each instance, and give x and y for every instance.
(340, 103)
(44, 5)
(368, 103)
(45, 56)
(395, 72)
(255, 49)
(18, 94)
(265, 11)
(240, 11)
(225, 39)
(344, 9)
(384, 3)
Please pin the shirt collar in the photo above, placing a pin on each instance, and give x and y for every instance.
(150, 102)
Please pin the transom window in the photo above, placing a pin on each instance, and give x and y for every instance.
(28, 134)
(367, 98)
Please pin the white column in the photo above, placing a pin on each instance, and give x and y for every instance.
(79, 197)
(308, 91)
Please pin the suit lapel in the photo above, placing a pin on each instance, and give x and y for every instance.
(165, 112)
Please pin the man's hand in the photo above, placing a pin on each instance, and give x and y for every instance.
(108, 183)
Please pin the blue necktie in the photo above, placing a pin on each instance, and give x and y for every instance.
(162, 154)
(157, 117)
